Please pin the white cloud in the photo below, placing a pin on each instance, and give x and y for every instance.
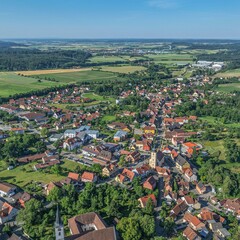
(162, 3)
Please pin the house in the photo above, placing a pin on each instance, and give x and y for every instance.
(143, 200)
(18, 130)
(24, 198)
(143, 171)
(223, 233)
(144, 145)
(133, 157)
(201, 189)
(150, 183)
(74, 176)
(170, 196)
(72, 143)
(179, 208)
(190, 175)
(89, 177)
(119, 126)
(90, 226)
(181, 163)
(233, 205)
(7, 213)
(109, 170)
(188, 200)
(7, 189)
(149, 129)
(33, 116)
(164, 172)
(190, 234)
(126, 175)
(120, 136)
(196, 224)
(56, 137)
(93, 133)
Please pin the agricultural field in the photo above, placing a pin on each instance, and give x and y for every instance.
(122, 69)
(22, 175)
(228, 74)
(51, 71)
(113, 59)
(81, 76)
(11, 83)
(171, 58)
(229, 87)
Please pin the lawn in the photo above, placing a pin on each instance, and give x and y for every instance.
(82, 76)
(229, 87)
(96, 97)
(214, 148)
(21, 177)
(123, 69)
(11, 83)
(109, 118)
(214, 120)
(229, 73)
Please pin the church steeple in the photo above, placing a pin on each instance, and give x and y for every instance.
(59, 227)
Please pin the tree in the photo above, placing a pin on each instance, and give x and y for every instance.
(129, 229)
(44, 132)
(149, 209)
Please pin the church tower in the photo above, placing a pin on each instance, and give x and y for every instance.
(153, 159)
(59, 227)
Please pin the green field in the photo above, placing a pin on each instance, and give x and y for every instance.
(98, 97)
(171, 58)
(229, 73)
(114, 59)
(82, 76)
(109, 118)
(11, 83)
(106, 59)
(214, 120)
(21, 177)
(229, 87)
(122, 69)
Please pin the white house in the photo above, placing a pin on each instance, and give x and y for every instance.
(93, 133)
(7, 189)
(72, 143)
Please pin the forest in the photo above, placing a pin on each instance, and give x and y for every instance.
(17, 59)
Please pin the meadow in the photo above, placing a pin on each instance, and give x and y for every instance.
(51, 71)
(24, 174)
(11, 83)
(81, 76)
(229, 74)
(114, 59)
(229, 87)
(167, 58)
(122, 69)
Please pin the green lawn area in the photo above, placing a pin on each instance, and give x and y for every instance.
(109, 118)
(82, 76)
(122, 69)
(214, 147)
(98, 97)
(229, 73)
(11, 83)
(167, 58)
(214, 120)
(229, 87)
(106, 59)
(20, 177)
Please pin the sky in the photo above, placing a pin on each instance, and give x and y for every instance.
(214, 19)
